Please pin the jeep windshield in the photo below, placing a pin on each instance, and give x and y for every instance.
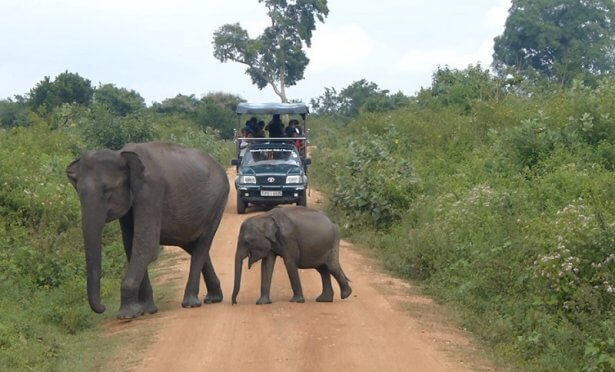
(270, 156)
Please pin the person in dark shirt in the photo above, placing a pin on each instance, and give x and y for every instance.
(275, 127)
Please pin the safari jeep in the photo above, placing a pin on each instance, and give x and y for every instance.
(270, 170)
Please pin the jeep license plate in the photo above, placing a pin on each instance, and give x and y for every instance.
(271, 193)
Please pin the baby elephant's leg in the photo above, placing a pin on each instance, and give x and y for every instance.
(327, 290)
(295, 282)
(266, 273)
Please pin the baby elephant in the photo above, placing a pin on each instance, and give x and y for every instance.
(303, 237)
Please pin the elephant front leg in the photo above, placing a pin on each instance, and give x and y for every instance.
(137, 297)
(266, 274)
(146, 294)
(327, 290)
(295, 282)
(131, 306)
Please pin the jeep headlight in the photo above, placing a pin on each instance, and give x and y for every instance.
(294, 179)
(247, 179)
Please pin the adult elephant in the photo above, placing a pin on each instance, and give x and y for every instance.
(162, 193)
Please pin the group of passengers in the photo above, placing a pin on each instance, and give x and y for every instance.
(256, 129)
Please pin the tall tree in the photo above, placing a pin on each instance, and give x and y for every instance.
(276, 57)
(562, 39)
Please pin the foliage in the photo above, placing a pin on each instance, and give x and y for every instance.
(102, 129)
(43, 306)
(180, 104)
(13, 113)
(361, 94)
(42, 280)
(276, 57)
(120, 101)
(217, 110)
(461, 88)
(507, 214)
(561, 39)
(67, 87)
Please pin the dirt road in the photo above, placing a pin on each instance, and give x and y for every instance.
(383, 326)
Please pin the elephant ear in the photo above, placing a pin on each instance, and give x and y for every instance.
(277, 235)
(135, 170)
(270, 231)
(72, 172)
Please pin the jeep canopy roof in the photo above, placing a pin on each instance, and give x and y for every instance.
(272, 108)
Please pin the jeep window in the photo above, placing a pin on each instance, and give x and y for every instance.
(270, 156)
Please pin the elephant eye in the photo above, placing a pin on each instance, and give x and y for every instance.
(106, 189)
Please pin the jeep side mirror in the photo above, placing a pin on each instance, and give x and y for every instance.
(307, 161)
(235, 162)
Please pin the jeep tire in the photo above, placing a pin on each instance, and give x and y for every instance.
(302, 199)
(241, 204)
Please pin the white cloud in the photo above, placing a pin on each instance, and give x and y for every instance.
(344, 45)
(424, 60)
(495, 18)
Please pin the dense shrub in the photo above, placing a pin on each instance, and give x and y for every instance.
(512, 221)
(43, 306)
(42, 275)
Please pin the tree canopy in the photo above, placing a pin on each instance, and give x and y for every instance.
(561, 39)
(217, 110)
(120, 100)
(361, 94)
(67, 87)
(276, 57)
(461, 87)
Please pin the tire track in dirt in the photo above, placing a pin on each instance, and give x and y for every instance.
(384, 326)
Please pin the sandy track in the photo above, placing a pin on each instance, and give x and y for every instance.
(370, 331)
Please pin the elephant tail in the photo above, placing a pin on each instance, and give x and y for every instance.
(336, 249)
(343, 273)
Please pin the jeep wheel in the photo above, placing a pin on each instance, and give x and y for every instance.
(241, 205)
(302, 199)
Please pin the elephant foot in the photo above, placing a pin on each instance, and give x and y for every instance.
(213, 298)
(263, 301)
(130, 311)
(191, 301)
(325, 297)
(298, 299)
(346, 292)
(150, 308)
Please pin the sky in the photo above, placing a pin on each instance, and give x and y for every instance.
(164, 48)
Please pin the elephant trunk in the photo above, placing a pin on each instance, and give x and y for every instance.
(92, 225)
(239, 256)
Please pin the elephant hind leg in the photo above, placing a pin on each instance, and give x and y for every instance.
(200, 264)
(327, 289)
(214, 290)
(342, 280)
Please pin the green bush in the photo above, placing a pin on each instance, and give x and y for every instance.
(502, 209)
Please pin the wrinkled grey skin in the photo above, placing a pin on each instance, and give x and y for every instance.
(162, 193)
(304, 238)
